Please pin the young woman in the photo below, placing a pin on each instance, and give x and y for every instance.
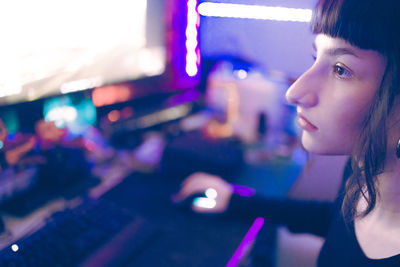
(348, 104)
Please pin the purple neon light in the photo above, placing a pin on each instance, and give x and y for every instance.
(246, 242)
(243, 191)
(192, 50)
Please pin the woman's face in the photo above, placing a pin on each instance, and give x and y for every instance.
(334, 95)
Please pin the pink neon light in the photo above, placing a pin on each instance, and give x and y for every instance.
(192, 51)
(246, 242)
(243, 191)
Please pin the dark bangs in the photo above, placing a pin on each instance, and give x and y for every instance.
(364, 24)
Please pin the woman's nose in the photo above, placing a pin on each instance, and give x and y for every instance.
(302, 93)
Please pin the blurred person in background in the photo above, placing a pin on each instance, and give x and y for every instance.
(47, 136)
(11, 154)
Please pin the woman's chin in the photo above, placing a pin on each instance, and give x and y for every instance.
(323, 148)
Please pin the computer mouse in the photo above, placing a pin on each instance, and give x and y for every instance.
(188, 201)
(199, 199)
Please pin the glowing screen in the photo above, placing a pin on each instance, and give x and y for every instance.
(51, 47)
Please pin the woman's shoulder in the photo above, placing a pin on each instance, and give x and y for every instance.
(342, 248)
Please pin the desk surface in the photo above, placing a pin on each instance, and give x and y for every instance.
(186, 239)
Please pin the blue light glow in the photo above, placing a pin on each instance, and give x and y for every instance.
(204, 202)
(77, 114)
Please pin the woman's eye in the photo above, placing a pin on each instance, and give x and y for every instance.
(341, 72)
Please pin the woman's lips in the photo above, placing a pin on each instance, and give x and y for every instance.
(305, 124)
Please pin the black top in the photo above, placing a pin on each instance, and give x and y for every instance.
(324, 219)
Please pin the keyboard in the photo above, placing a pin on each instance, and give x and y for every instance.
(97, 232)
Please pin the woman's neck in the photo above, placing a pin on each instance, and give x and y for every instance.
(388, 182)
(388, 196)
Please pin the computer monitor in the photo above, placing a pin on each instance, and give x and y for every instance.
(51, 49)
(57, 47)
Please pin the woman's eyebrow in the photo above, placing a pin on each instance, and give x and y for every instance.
(337, 51)
(341, 51)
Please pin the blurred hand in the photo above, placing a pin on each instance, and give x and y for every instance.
(198, 183)
(3, 131)
(15, 154)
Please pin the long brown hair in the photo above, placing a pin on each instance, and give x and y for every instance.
(367, 24)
